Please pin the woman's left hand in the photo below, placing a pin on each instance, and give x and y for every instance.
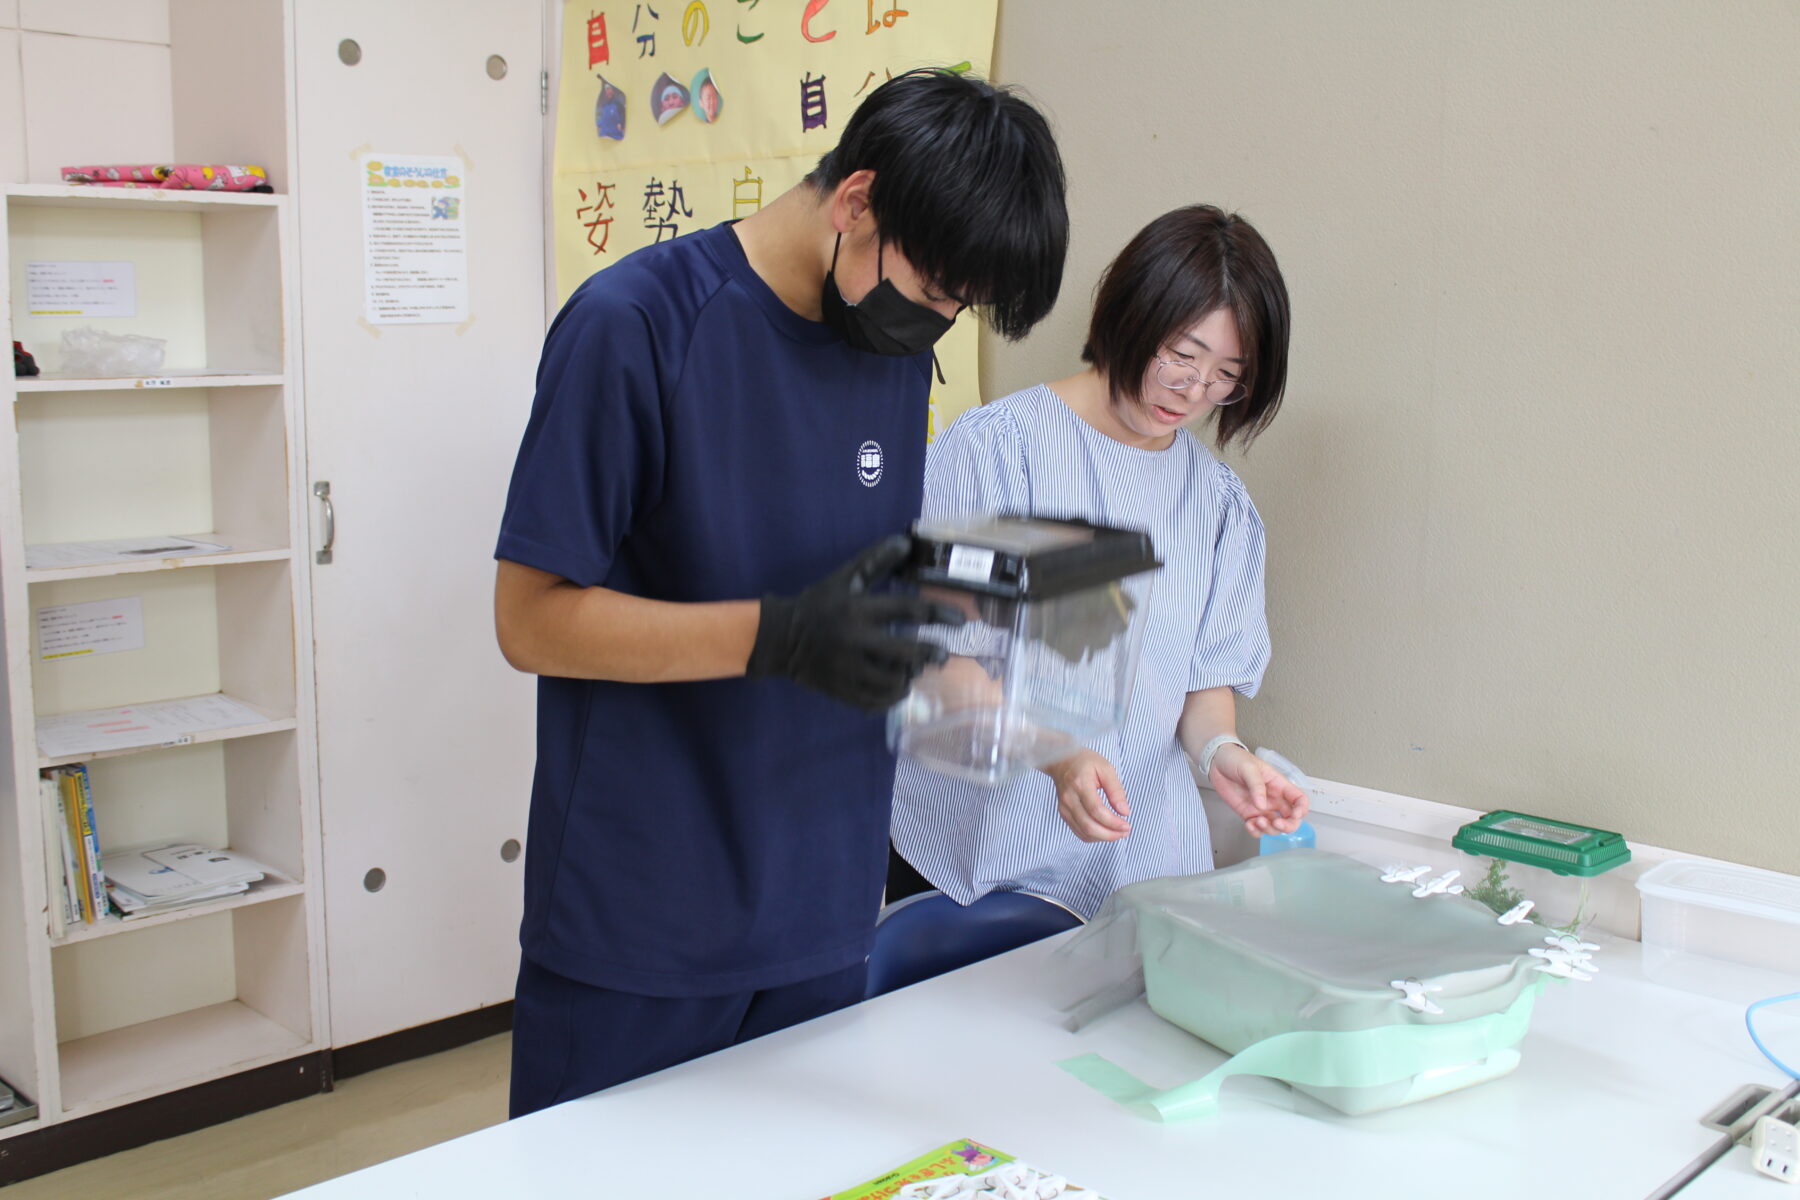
(1266, 799)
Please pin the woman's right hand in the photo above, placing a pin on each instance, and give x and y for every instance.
(1089, 797)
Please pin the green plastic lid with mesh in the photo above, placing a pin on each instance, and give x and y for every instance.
(1558, 846)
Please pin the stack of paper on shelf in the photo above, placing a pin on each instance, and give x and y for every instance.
(164, 878)
(81, 554)
(162, 723)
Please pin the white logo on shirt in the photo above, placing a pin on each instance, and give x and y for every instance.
(868, 463)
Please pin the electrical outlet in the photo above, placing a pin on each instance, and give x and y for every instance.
(1775, 1145)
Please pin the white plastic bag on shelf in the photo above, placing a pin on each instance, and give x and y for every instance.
(91, 353)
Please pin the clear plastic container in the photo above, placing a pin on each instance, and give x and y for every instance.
(1698, 911)
(1560, 903)
(1299, 965)
(1046, 660)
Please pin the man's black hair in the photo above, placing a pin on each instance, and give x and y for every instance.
(968, 185)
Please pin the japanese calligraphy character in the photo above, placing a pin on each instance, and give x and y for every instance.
(741, 36)
(598, 51)
(646, 41)
(894, 13)
(813, 9)
(812, 103)
(865, 83)
(695, 24)
(600, 224)
(746, 193)
(661, 208)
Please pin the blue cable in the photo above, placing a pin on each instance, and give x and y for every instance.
(1750, 1024)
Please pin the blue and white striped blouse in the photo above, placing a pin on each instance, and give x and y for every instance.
(1030, 453)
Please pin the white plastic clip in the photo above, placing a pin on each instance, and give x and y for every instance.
(1562, 964)
(1580, 954)
(1415, 997)
(1516, 914)
(1012, 1183)
(1445, 883)
(1403, 874)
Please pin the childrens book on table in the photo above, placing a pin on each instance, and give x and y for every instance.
(967, 1170)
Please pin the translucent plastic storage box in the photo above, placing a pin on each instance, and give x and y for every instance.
(1306, 967)
(1720, 911)
(1047, 657)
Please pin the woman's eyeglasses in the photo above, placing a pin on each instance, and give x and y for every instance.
(1179, 377)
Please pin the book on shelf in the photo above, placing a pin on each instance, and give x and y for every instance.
(174, 875)
(76, 884)
(95, 883)
(59, 860)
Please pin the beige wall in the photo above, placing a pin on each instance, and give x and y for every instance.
(82, 82)
(1531, 502)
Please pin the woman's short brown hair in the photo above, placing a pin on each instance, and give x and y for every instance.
(1180, 267)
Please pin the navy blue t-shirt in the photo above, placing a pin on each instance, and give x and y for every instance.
(694, 439)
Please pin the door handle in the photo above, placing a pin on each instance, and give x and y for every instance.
(322, 489)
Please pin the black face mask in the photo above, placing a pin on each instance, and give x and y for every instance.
(884, 321)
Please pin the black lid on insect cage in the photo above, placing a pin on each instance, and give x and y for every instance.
(1030, 558)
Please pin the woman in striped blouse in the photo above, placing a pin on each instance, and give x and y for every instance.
(1190, 326)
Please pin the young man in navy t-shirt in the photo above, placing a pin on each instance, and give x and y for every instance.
(735, 414)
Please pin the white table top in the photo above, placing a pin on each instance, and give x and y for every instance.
(1606, 1103)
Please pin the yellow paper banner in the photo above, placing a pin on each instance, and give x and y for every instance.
(675, 115)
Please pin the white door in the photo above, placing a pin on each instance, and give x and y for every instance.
(425, 735)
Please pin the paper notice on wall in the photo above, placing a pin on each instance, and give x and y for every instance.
(81, 289)
(415, 249)
(97, 627)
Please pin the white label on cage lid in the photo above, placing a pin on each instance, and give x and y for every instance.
(155, 383)
(971, 562)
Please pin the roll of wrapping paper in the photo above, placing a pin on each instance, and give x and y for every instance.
(203, 177)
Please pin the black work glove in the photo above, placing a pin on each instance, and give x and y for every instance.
(836, 637)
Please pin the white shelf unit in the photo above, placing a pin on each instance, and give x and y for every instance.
(274, 886)
(167, 379)
(174, 562)
(119, 1011)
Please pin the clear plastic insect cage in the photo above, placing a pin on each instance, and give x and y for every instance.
(1055, 619)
